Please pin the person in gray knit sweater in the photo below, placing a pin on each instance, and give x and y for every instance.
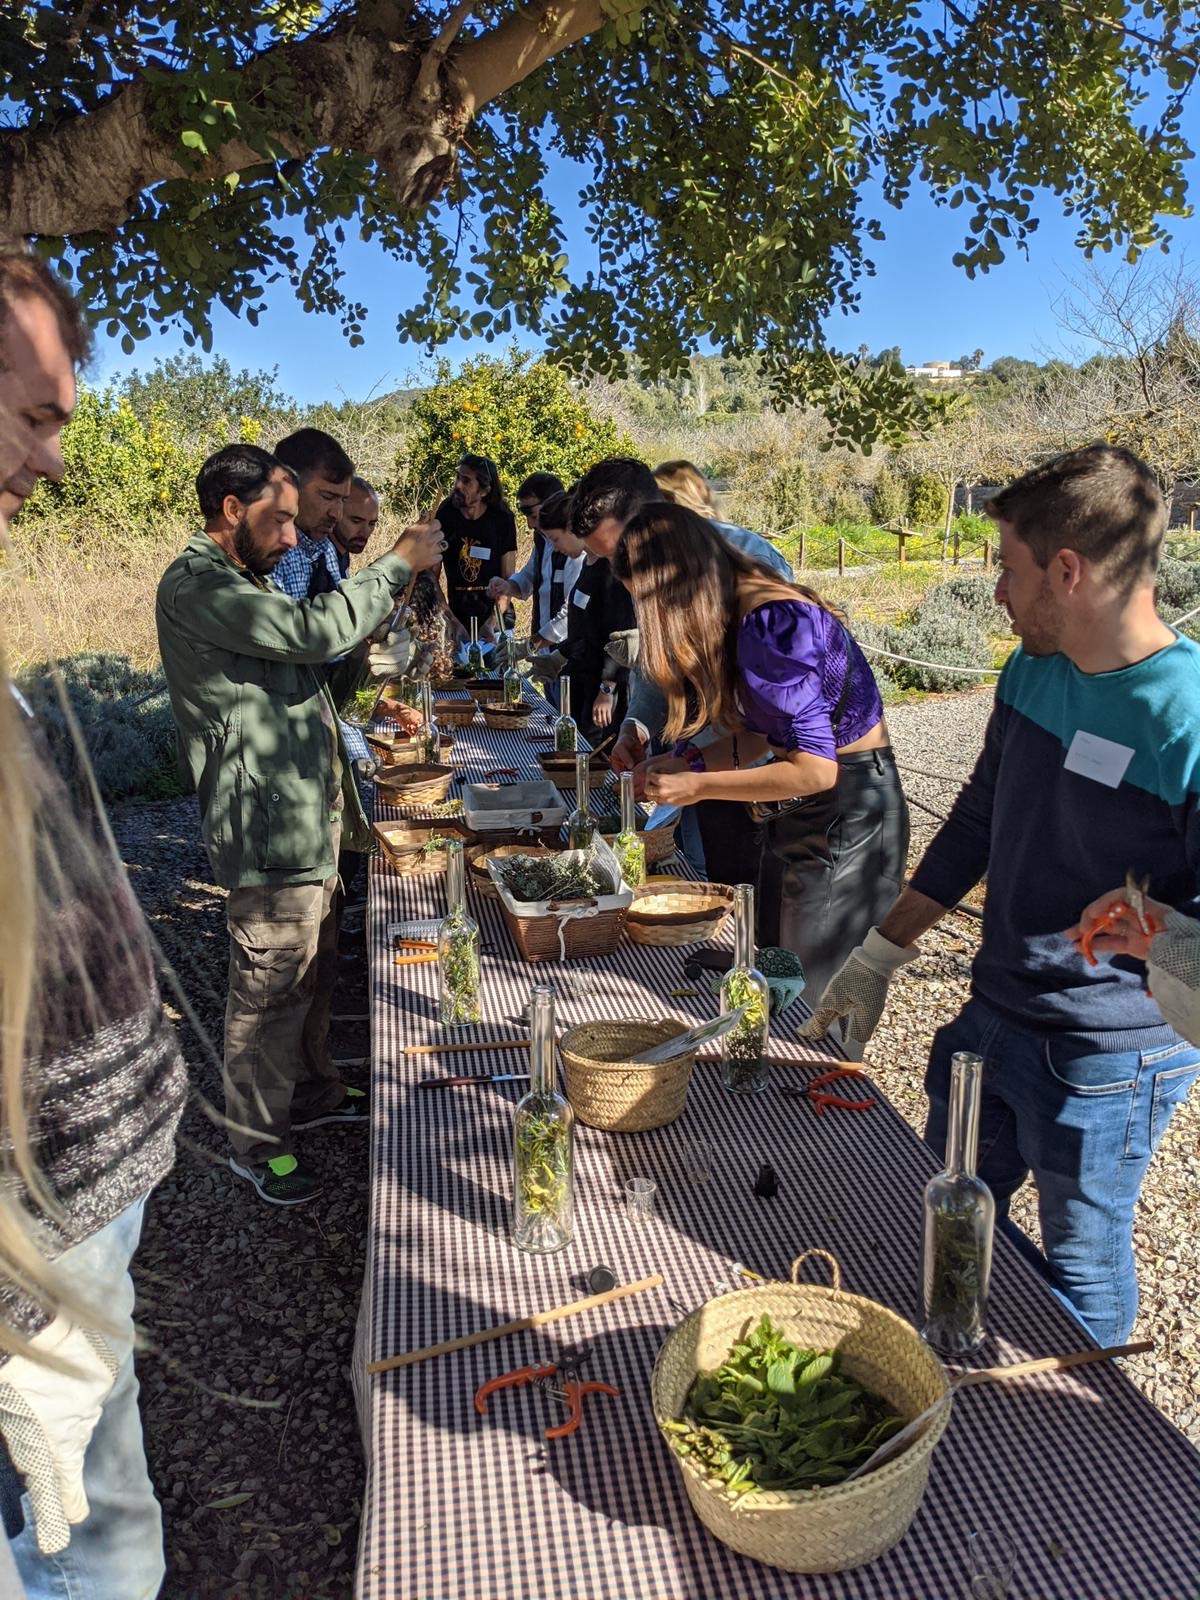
(92, 1086)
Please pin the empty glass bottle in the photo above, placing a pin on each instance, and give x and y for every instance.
(581, 825)
(566, 734)
(474, 650)
(744, 1067)
(457, 949)
(628, 848)
(543, 1143)
(960, 1216)
(430, 736)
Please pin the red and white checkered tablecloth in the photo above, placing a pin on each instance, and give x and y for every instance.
(1098, 1491)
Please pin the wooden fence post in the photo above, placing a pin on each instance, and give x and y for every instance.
(841, 558)
(987, 555)
(902, 537)
(803, 536)
(957, 537)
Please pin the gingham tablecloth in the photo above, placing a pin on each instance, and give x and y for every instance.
(1099, 1493)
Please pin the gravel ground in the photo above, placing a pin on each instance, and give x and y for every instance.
(250, 1312)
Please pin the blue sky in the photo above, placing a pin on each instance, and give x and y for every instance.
(917, 300)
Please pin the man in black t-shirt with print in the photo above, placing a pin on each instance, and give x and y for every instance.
(481, 540)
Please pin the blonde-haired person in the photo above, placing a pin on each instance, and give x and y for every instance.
(728, 641)
(92, 1086)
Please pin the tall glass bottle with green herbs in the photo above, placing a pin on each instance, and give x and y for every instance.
(744, 1066)
(581, 824)
(566, 734)
(430, 735)
(457, 949)
(543, 1143)
(628, 848)
(512, 677)
(960, 1217)
(475, 650)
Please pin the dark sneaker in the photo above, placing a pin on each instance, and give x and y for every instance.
(354, 1112)
(282, 1182)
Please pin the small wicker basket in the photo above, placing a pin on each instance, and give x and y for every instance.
(506, 718)
(454, 713)
(672, 911)
(484, 689)
(810, 1530)
(608, 1090)
(560, 769)
(414, 785)
(409, 848)
(659, 843)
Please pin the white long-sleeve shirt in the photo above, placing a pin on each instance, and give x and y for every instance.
(552, 628)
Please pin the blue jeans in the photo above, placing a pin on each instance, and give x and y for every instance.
(1085, 1121)
(116, 1553)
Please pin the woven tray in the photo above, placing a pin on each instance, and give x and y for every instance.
(561, 769)
(672, 911)
(482, 689)
(607, 1090)
(418, 784)
(810, 1530)
(479, 855)
(455, 713)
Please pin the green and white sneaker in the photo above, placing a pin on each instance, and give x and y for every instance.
(353, 1112)
(282, 1182)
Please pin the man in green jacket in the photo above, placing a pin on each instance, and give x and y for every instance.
(259, 741)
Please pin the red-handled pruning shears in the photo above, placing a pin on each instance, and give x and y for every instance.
(823, 1102)
(571, 1393)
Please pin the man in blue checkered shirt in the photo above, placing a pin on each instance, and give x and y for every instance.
(324, 472)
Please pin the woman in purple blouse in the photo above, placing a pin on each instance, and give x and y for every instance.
(728, 642)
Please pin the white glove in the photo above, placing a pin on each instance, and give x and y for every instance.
(550, 664)
(858, 991)
(391, 659)
(48, 1416)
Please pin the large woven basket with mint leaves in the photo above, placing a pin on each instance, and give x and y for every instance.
(826, 1529)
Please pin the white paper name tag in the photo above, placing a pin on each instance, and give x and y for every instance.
(480, 552)
(1099, 759)
(581, 600)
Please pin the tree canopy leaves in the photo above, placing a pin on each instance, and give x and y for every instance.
(177, 154)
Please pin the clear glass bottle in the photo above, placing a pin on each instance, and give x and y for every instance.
(960, 1217)
(628, 848)
(512, 676)
(581, 824)
(430, 735)
(475, 650)
(457, 949)
(410, 692)
(566, 734)
(543, 1143)
(744, 1067)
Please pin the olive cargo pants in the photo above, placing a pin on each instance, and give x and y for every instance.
(282, 971)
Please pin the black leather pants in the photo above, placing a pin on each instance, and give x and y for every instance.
(833, 867)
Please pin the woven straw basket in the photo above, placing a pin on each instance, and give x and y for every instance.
(537, 937)
(485, 689)
(416, 785)
(405, 847)
(810, 1530)
(607, 1090)
(454, 713)
(673, 911)
(505, 717)
(560, 769)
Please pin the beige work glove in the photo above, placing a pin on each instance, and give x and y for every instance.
(857, 993)
(48, 1416)
(391, 659)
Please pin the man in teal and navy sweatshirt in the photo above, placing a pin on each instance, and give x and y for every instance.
(1090, 769)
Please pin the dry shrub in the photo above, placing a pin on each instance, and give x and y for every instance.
(67, 590)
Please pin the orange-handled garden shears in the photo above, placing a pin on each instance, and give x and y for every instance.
(566, 1369)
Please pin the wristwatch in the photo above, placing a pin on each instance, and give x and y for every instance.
(607, 687)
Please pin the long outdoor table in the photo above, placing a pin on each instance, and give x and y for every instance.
(1097, 1490)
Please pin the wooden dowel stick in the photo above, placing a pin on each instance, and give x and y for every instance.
(480, 1044)
(1076, 1358)
(520, 1325)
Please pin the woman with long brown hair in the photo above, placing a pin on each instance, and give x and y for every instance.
(728, 641)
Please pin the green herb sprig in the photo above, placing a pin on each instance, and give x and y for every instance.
(775, 1416)
(551, 878)
(543, 1161)
(745, 1042)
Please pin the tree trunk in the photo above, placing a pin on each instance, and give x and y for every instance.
(949, 521)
